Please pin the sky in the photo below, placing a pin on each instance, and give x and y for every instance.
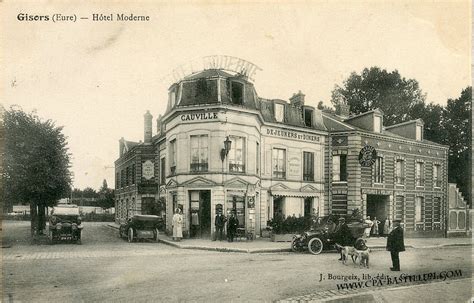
(97, 79)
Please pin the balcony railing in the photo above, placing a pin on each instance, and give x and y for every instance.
(400, 180)
(240, 168)
(199, 167)
(419, 182)
(279, 174)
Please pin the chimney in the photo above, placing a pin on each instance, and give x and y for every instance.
(297, 99)
(148, 127)
(343, 110)
(158, 124)
(121, 146)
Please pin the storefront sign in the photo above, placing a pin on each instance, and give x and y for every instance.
(292, 135)
(367, 156)
(148, 170)
(199, 116)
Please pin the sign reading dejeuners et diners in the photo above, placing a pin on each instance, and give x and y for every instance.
(148, 170)
(290, 134)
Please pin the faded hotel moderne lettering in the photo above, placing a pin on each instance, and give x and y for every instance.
(119, 17)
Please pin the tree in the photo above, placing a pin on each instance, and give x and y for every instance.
(457, 122)
(106, 196)
(374, 88)
(36, 163)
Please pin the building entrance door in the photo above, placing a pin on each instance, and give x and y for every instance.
(378, 207)
(200, 208)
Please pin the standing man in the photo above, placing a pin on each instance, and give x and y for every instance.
(219, 222)
(232, 225)
(395, 244)
(343, 235)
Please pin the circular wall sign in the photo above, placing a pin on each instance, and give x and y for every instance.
(367, 156)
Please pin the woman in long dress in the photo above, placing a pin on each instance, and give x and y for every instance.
(177, 225)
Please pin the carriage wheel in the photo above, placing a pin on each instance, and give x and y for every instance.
(294, 245)
(315, 246)
(130, 235)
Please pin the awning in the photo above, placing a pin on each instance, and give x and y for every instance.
(290, 193)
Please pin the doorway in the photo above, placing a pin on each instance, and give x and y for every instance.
(200, 213)
(377, 207)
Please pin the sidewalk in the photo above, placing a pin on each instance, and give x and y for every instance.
(264, 245)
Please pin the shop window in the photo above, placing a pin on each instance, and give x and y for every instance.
(400, 172)
(419, 209)
(339, 168)
(378, 170)
(162, 171)
(236, 201)
(172, 157)
(279, 163)
(199, 153)
(308, 166)
(419, 171)
(236, 155)
(237, 93)
(437, 175)
(279, 112)
(308, 117)
(308, 206)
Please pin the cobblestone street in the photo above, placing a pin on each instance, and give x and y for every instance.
(107, 268)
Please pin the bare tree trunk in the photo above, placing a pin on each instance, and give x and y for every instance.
(34, 218)
(41, 218)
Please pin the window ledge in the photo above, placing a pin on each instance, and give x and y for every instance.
(339, 182)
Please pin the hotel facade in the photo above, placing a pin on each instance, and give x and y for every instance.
(219, 146)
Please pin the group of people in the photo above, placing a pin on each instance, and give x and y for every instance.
(219, 222)
(377, 228)
(232, 224)
(395, 241)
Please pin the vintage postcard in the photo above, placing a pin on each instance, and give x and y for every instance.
(227, 151)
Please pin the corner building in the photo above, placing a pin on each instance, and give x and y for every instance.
(219, 146)
(275, 162)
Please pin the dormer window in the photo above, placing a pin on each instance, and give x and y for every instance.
(419, 132)
(377, 124)
(237, 93)
(308, 117)
(279, 110)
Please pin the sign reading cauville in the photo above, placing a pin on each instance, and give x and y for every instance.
(199, 116)
(148, 170)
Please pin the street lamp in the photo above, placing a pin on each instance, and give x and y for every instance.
(226, 149)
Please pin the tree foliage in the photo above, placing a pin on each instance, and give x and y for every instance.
(36, 163)
(36, 159)
(106, 196)
(457, 122)
(397, 97)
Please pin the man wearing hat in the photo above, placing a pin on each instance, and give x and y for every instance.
(395, 244)
(343, 234)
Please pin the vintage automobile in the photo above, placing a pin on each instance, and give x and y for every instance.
(65, 224)
(322, 234)
(141, 227)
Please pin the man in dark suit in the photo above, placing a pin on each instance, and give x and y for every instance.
(395, 244)
(219, 223)
(343, 235)
(232, 225)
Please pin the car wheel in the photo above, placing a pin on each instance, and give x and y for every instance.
(130, 235)
(156, 234)
(294, 245)
(315, 246)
